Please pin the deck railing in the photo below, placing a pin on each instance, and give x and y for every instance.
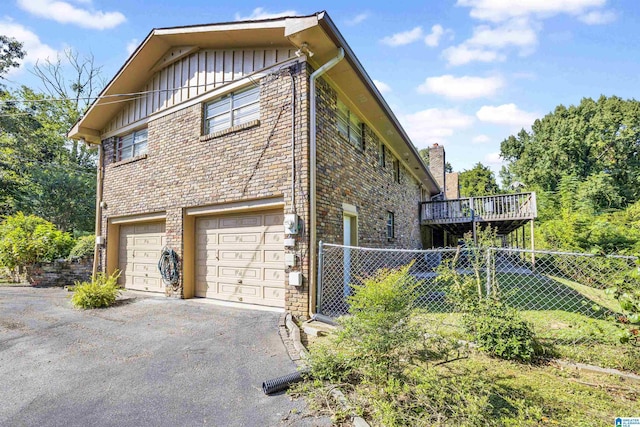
(486, 208)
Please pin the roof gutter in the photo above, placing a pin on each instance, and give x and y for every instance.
(312, 174)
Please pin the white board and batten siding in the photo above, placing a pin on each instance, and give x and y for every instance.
(194, 75)
(240, 258)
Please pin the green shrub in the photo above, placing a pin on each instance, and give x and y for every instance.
(500, 331)
(84, 247)
(98, 293)
(29, 239)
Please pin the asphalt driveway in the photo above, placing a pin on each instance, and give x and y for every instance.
(149, 361)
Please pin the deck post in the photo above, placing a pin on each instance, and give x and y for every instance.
(533, 248)
(473, 220)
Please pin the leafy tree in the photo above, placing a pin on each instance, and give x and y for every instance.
(594, 137)
(41, 171)
(11, 53)
(478, 181)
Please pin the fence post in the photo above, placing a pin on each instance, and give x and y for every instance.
(319, 278)
(488, 272)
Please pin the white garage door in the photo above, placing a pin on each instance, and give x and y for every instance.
(240, 258)
(140, 247)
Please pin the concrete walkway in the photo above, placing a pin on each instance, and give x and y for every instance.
(149, 361)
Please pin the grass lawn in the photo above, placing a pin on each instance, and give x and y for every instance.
(503, 393)
(573, 321)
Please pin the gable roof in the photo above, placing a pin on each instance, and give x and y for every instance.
(320, 35)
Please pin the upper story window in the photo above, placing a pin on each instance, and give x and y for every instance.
(232, 109)
(350, 126)
(396, 170)
(132, 145)
(382, 155)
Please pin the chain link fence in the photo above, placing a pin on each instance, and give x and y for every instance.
(562, 294)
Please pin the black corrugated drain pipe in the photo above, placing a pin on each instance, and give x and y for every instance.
(282, 383)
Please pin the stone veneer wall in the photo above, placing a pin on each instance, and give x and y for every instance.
(59, 273)
(348, 175)
(184, 169)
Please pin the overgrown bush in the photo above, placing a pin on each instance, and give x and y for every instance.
(378, 331)
(392, 362)
(29, 239)
(98, 293)
(84, 247)
(500, 331)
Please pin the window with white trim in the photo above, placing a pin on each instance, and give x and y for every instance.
(391, 225)
(132, 145)
(233, 109)
(350, 126)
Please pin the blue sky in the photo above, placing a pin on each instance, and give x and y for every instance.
(462, 73)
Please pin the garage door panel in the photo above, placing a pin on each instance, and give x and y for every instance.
(274, 256)
(209, 240)
(274, 238)
(147, 241)
(246, 262)
(207, 271)
(273, 293)
(240, 273)
(274, 274)
(239, 256)
(240, 221)
(207, 223)
(276, 219)
(155, 228)
(240, 239)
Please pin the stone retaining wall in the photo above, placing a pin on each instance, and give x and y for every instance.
(59, 273)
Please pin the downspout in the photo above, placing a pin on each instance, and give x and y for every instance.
(312, 173)
(99, 171)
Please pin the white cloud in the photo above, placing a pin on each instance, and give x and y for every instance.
(465, 87)
(597, 17)
(132, 45)
(503, 10)
(434, 125)
(462, 54)
(493, 159)
(382, 86)
(403, 38)
(517, 32)
(480, 139)
(359, 18)
(66, 13)
(35, 49)
(433, 39)
(261, 13)
(506, 114)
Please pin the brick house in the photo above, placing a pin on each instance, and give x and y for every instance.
(213, 136)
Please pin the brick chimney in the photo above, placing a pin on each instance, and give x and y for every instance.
(436, 165)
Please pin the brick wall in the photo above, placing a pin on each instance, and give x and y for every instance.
(347, 174)
(183, 169)
(59, 273)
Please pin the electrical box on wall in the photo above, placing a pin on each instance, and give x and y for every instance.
(289, 243)
(99, 240)
(295, 278)
(291, 224)
(290, 260)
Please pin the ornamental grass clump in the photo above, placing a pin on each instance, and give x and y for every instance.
(100, 292)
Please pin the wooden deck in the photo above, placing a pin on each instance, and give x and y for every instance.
(507, 212)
